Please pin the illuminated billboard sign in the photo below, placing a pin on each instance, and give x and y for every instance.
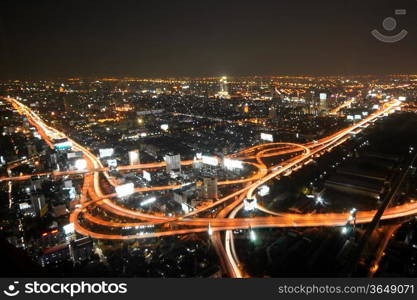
(267, 137)
(147, 176)
(68, 229)
(106, 152)
(80, 164)
(63, 146)
(263, 190)
(210, 160)
(232, 163)
(125, 190)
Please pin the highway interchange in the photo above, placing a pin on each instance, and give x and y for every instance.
(296, 156)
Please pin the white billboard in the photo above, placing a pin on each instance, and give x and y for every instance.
(210, 160)
(232, 163)
(23, 206)
(164, 127)
(147, 175)
(134, 157)
(78, 154)
(69, 229)
(80, 164)
(125, 189)
(323, 96)
(107, 152)
(267, 137)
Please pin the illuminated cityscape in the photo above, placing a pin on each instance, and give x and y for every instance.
(193, 140)
(166, 173)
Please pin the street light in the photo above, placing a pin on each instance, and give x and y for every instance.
(319, 200)
(210, 230)
(252, 235)
(352, 217)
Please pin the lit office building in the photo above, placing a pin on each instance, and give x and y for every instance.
(173, 162)
(209, 188)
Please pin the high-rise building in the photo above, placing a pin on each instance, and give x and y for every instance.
(323, 101)
(223, 85)
(224, 90)
(173, 162)
(39, 204)
(134, 157)
(209, 188)
(310, 103)
(36, 185)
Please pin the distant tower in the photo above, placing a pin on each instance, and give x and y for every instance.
(309, 103)
(224, 90)
(323, 102)
(223, 85)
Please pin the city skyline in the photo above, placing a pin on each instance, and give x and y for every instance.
(208, 139)
(234, 168)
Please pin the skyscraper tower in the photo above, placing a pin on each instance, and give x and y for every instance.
(224, 90)
(223, 85)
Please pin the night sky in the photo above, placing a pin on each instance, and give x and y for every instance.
(160, 38)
